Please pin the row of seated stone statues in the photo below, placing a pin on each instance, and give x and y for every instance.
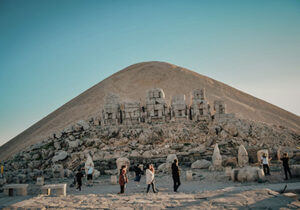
(156, 109)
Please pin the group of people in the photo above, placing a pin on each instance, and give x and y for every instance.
(150, 177)
(123, 179)
(79, 175)
(150, 174)
(285, 163)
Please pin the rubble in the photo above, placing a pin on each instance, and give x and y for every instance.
(152, 133)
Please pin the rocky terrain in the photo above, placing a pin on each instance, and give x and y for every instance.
(193, 143)
(131, 84)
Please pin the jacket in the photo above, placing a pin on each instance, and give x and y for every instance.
(123, 178)
(175, 171)
(149, 176)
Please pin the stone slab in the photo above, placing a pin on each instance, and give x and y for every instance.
(18, 189)
(60, 189)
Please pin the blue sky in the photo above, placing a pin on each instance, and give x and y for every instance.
(53, 50)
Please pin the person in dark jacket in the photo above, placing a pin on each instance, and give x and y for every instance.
(138, 174)
(285, 164)
(123, 179)
(176, 175)
(79, 176)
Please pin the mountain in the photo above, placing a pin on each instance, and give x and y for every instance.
(132, 83)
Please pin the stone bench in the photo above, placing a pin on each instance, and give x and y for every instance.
(15, 189)
(59, 189)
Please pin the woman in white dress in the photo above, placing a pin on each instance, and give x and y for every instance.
(150, 178)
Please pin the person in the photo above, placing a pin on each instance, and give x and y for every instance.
(123, 180)
(2, 171)
(138, 174)
(79, 176)
(176, 175)
(150, 178)
(265, 163)
(285, 164)
(90, 175)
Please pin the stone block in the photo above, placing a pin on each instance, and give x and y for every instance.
(228, 171)
(201, 164)
(122, 161)
(291, 195)
(40, 181)
(113, 179)
(295, 170)
(189, 175)
(57, 189)
(15, 189)
(247, 174)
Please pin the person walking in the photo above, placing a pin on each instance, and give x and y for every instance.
(150, 178)
(79, 176)
(138, 174)
(265, 163)
(123, 180)
(285, 164)
(175, 175)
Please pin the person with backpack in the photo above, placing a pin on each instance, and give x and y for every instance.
(78, 177)
(138, 174)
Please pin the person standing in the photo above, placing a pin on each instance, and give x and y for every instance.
(123, 180)
(265, 163)
(176, 175)
(138, 174)
(79, 176)
(2, 171)
(285, 164)
(90, 175)
(150, 178)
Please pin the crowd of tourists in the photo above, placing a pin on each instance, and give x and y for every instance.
(150, 174)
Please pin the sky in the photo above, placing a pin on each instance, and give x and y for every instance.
(53, 50)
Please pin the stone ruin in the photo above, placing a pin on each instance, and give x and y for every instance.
(132, 113)
(200, 109)
(111, 114)
(220, 111)
(179, 108)
(61, 154)
(156, 109)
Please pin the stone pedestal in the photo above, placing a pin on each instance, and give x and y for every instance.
(40, 181)
(113, 179)
(15, 189)
(189, 176)
(58, 189)
(122, 161)
(228, 171)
